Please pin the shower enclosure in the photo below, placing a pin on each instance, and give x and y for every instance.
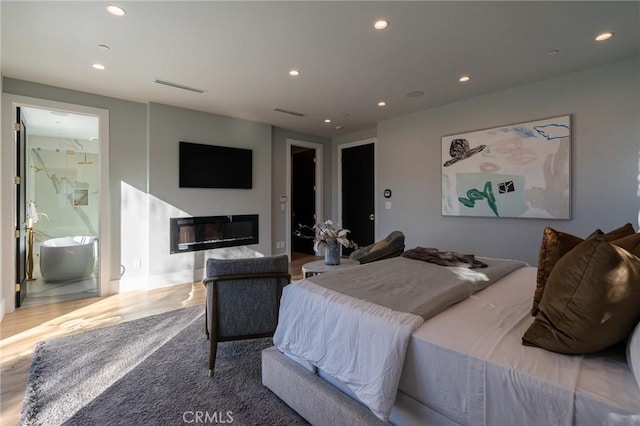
(62, 192)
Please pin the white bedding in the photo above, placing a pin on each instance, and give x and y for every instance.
(468, 363)
(321, 321)
(335, 332)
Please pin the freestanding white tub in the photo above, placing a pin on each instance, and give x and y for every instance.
(68, 258)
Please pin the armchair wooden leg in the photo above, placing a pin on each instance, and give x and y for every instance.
(212, 355)
(206, 325)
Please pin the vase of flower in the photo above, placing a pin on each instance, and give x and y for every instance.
(332, 254)
(329, 235)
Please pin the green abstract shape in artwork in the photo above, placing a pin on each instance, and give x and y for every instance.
(474, 195)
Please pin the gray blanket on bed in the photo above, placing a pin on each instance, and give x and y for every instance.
(413, 286)
(444, 258)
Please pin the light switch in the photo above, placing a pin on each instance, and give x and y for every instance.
(282, 206)
(387, 205)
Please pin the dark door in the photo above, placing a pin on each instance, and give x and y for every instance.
(358, 194)
(20, 233)
(303, 197)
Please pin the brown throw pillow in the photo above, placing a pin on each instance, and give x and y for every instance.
(630, 243)
(590, 301)
(624, 231)
(556, 244)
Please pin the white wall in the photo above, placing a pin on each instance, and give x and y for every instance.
(605, 105)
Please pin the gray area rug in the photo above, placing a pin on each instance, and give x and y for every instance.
(151, 371)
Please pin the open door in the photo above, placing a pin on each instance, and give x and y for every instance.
(303, 196)
(358, 191)
(20, 184)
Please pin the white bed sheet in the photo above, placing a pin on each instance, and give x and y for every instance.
(469, 364)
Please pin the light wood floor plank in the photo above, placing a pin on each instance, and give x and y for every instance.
(22, 329)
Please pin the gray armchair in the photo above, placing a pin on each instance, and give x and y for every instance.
(391, 246)
(243, 298)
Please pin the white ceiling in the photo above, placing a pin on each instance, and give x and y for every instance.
(240, 52)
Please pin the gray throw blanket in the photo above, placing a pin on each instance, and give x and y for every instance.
(444, 258)
(407, 285)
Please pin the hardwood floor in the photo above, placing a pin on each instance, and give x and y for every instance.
(22, 329)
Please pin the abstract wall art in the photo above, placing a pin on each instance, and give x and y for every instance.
(518, 170)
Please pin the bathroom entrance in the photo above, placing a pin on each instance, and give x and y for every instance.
(59, 205)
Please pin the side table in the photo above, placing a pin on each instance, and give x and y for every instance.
(318, 267)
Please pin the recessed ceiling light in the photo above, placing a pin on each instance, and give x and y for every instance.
(381, 24)
(98, 66)
(327, 120)
(464, 79)
(553, 52)
(294, 73)
(116, 10)
(604, 36)
(382, 103)
(103, 47)
(339, 127)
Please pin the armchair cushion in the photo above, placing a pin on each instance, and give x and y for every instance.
(391, 246)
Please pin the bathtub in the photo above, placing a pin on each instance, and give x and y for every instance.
(68, 258)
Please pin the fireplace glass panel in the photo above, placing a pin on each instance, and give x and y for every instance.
(203, 233)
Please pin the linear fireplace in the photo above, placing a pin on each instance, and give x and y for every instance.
(208, 232)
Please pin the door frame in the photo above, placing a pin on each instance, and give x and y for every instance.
(9, 104)
(375, 178)
(318, 147)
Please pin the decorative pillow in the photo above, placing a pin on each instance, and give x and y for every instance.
(630, 243)
(590, 301)
(556, 244)
(633, 353)
(379, 245)
(624, 231)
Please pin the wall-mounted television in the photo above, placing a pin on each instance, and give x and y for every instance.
(211, 166)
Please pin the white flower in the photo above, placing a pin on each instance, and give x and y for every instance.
(328, 232)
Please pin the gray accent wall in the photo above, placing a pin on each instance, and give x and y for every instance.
(605, 106)
(167, 127)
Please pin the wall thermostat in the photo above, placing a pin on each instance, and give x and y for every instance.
(387, 193)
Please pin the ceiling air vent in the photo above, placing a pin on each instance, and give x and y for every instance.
(297, 114)
(178, 86)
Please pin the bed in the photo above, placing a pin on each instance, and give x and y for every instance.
(462, 365)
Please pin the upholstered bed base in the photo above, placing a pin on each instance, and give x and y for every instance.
(314, 399)
(320, 403)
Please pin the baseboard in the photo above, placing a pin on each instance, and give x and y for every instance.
(149, 282)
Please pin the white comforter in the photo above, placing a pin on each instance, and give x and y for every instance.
(335, 333)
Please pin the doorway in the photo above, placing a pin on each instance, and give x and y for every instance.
(304, 195)
(303, 198)
(357, 191)
(61, 155)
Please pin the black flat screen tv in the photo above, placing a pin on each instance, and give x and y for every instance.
(211, 166)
